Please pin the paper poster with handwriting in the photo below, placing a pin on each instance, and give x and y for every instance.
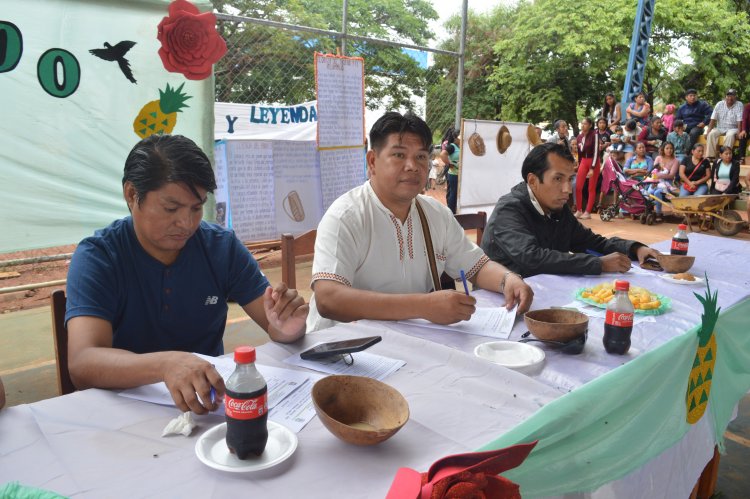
(340, 171)
(340, 85)
(251, 189)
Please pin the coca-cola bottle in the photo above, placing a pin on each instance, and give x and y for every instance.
(618, 323)
(246, 406)
(680, 241)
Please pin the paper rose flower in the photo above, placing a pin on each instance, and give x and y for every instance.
(189, 42)
(463, 476)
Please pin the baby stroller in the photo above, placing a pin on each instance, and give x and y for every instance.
(630, 195)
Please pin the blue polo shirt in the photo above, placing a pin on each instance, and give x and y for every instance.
(155, 307)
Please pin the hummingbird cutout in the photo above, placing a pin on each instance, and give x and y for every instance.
(117, 53)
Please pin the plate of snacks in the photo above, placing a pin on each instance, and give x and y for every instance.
(644, 301)
(682, 278)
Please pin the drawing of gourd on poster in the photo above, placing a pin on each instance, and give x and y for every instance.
(81, 82)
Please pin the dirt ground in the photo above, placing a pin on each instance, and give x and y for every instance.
(53, 271)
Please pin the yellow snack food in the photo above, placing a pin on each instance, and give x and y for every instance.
(650, 305)
(641, 298)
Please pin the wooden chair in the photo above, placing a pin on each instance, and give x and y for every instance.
(60, 332)
(476, 221)
(468, 221)
(291, 248)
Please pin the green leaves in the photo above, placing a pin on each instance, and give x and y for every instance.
(273, 65)
(557, 59)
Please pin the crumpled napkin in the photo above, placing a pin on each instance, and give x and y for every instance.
(182, 424)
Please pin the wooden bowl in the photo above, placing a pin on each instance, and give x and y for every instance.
(556, 324)
(359, 410)
(675, 264)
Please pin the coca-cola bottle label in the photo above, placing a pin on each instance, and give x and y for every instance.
(679, 246)
(251, 408)
(619, 319)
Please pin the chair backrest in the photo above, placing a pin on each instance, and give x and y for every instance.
(291, 248)
(476, 221)
(468, 221)
(60, 332)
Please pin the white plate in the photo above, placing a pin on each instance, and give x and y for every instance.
(211, 448)
(669, 278)
(511, 354)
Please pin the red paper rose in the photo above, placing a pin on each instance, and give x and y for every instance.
(189, 42)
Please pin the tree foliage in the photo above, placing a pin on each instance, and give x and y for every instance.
(266, 64)
(479, 102)
(543, 60)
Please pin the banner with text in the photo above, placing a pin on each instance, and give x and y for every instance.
(265, 122)
(80, 83)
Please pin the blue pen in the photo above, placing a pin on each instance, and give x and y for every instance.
(213, 395)
(592, 252)
(463, 279)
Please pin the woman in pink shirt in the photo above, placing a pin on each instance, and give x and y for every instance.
(666, 168)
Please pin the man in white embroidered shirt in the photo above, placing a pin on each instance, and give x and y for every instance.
(370, 252)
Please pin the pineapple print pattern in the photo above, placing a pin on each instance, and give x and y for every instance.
(701, 375)
(160, 116)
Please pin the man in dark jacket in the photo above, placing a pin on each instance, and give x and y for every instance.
(532, 230)
(696, 114)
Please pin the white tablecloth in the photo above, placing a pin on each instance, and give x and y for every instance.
(95, 443)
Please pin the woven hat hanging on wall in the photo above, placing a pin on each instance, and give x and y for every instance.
(503, 139)
(533, 137)
(476, 144)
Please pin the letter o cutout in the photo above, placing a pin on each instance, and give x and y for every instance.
(47, 72)
(11, 46)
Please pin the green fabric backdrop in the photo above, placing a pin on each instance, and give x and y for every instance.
(621, 420)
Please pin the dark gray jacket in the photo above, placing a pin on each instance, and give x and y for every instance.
(526, 242)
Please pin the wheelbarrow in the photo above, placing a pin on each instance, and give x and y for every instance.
(711, 209)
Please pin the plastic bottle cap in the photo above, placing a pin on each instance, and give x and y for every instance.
(622, 285)
(244, 354)
(682, 227)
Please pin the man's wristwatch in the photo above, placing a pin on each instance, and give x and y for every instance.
(505, 278)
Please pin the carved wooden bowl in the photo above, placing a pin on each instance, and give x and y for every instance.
(359, 410)
(675, 264)
(556, 324)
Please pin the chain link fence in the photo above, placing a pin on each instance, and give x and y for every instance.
(272, 63)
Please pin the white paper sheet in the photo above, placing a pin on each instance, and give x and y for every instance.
(495, 322)
(286, 406)
(365, 364)
(296, 410)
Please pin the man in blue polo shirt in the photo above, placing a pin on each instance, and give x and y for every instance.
(146, 291)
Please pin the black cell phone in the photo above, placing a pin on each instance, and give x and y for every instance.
(339, 348)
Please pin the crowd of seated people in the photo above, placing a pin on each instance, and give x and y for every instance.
(660, 150)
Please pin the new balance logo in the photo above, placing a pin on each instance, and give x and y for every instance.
(212, 300)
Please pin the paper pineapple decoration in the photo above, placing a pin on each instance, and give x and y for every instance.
(160, 116)
(702, 373)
